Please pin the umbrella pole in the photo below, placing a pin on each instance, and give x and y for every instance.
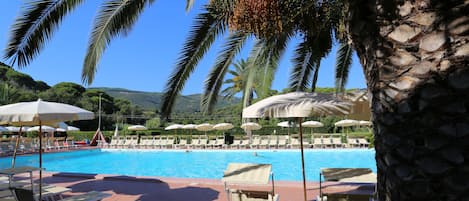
(13, 161)
(302, 160)
(40, 161)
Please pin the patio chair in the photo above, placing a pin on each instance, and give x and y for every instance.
(236, 144)
(237, 176)
(349, 175)
(273, 143)
(337, 142)
(130, 141)
(282, 142)
(114, 142)
(182, 144)
(219, 142)
(353, 142)
(170, 140)
(317, 142)
(120, 142)
(157, 141)
(202, 144)
(264, 143)
(363, 142)
(294, 143)
(327, 142)
(211, 143)
(146, 142)
(255, 142)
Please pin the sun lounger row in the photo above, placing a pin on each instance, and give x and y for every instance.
(258, 142)
(29, 145)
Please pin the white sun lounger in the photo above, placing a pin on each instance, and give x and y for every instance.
(239, 175)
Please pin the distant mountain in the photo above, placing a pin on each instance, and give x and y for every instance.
(152, 100)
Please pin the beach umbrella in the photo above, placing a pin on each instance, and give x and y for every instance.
(61, 129)
(204, 127)
(40, 113)
(13, 128)
(174, 127)
(223, 126)
(3, 129)
(365, 123)
(299, 105)
(189, 127)
(72, 128)
(285, 124)
(346, 123)
(312, 124)
(46, 129)
(137, 128)
(251, 126)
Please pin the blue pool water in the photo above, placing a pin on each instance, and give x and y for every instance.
(286, 164)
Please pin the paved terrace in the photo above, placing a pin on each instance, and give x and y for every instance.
(124, 188)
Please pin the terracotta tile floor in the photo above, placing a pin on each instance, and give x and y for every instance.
(177, 189)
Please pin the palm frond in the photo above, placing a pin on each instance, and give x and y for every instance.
(315, 77)
(342, 65)
(35, 25)
(303, 65)
(274, 49)
(263, 63)
(215, 79)
(201, 37)
(189, 4)
(115, 17)
(229, 92)
(308, 57)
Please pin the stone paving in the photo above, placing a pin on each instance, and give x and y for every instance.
(124, 188)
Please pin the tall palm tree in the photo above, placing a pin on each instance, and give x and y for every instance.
(415, 58)
(238, 81)
(414, 55)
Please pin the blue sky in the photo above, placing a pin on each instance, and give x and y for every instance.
(145, 58)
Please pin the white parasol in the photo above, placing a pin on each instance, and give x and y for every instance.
(312, 124)
(190, 127)
(346, 123)
(297, 104)
(46, 129)
(174, 127)
(3, 129)
(251, 126)
(204, 127)
(223, 126)
(40, 113)
(365, 123)
(137, 128)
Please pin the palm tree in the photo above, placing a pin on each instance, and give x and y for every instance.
(238, 81)
(414, 56)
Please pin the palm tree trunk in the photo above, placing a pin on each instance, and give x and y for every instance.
(415, 59)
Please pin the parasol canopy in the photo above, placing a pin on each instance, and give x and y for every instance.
(251, 126)
(223, 126)
(297, 104)
(346, 123)
(204, 127)
(312, 124)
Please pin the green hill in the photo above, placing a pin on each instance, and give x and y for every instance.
(152, 100)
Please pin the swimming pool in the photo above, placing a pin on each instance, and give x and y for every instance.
(286, 164)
